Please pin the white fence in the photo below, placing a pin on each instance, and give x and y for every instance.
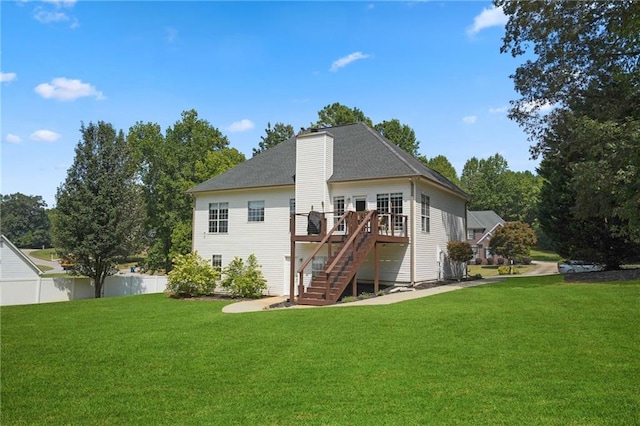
(44, 290)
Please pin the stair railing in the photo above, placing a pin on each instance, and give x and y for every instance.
(326, 239)
(348, 245)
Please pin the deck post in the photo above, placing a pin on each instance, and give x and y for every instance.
(292, 258)
(376, 269)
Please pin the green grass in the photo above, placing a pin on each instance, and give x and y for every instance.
(44, 268)
(46, 254)
(523, 351)
(545, 255)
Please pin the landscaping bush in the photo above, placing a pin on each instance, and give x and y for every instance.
(504, 270)
(478, 261)
(489, 260)
(501, 261)
(526, 260)
(191, 276)
(244, 280)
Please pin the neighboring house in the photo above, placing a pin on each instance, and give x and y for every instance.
(14, 264)
(344, 203)
(481, 225)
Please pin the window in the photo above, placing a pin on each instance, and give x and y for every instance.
(317, 265)
(218, 218)
(391, 203)
(256, 211)
(338, 211)
(470, 234)
(425, 215)
(292, 206)
(216, 262)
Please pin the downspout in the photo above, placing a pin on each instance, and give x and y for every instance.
(413, 231)
(466, 209)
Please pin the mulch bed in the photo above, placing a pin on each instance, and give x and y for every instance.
(605, 276)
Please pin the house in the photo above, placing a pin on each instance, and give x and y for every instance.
(481, 226)
(330, 207)
(14, 264)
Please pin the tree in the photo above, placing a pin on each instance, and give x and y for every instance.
(586, 66)
(97, 206)
(280, 133)
(575, 43)
(24, 220)
(482, 180)
(512, 240)
(168, 166)
(400, 134)
(338, 115)
(460, 252)
(441, 164)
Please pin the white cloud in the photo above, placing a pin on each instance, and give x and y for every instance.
(12, 138)
(499, 110)
(61, 3)
(46, 17)
(45, 136)
(7, 76)
(346, 60)
(470, 119)
(493, 17)
(241, 126)
(65, 89)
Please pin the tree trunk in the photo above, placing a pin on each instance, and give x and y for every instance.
(98, 283)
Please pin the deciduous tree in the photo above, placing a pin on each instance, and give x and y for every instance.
(460, 252)
(97, 207)
(400, 134)
(337, 114)
(512, 240)
(441, 164)
(24, 220)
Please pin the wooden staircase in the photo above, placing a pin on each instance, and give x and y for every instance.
(343, 265)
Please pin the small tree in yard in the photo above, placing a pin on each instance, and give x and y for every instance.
(244, 280)
(460, 252)
(191, 276)
(513, 239)
(98, 213)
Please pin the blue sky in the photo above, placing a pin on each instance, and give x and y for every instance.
(435, 66)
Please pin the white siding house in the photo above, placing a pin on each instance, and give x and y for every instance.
(14, 264)
(331, 171)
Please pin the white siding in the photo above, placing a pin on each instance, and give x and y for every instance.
(13, 263)
(314, 166)
(268, 240)
(395, 259)
(446, 224)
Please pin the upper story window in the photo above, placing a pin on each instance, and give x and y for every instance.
(218, 218)
(338, 211)
(425, 215)
(255, 211)
(391, 203)
(470, 234)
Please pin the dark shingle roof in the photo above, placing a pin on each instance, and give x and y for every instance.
(359, 153)
(483, 219)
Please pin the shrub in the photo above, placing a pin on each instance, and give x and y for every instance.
(191, 276)
(459, 252)
(244, 280)
(478, 261)
(489, 260)
(501, 261)
(504, 270)
(526, 260)
(348, 299)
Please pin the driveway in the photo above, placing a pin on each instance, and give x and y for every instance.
(50, 263)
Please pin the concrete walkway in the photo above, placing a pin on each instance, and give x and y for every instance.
(542, 268)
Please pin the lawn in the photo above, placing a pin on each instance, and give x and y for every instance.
(488, 271)
(544, 255)
(46, 254)
(522, 351)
